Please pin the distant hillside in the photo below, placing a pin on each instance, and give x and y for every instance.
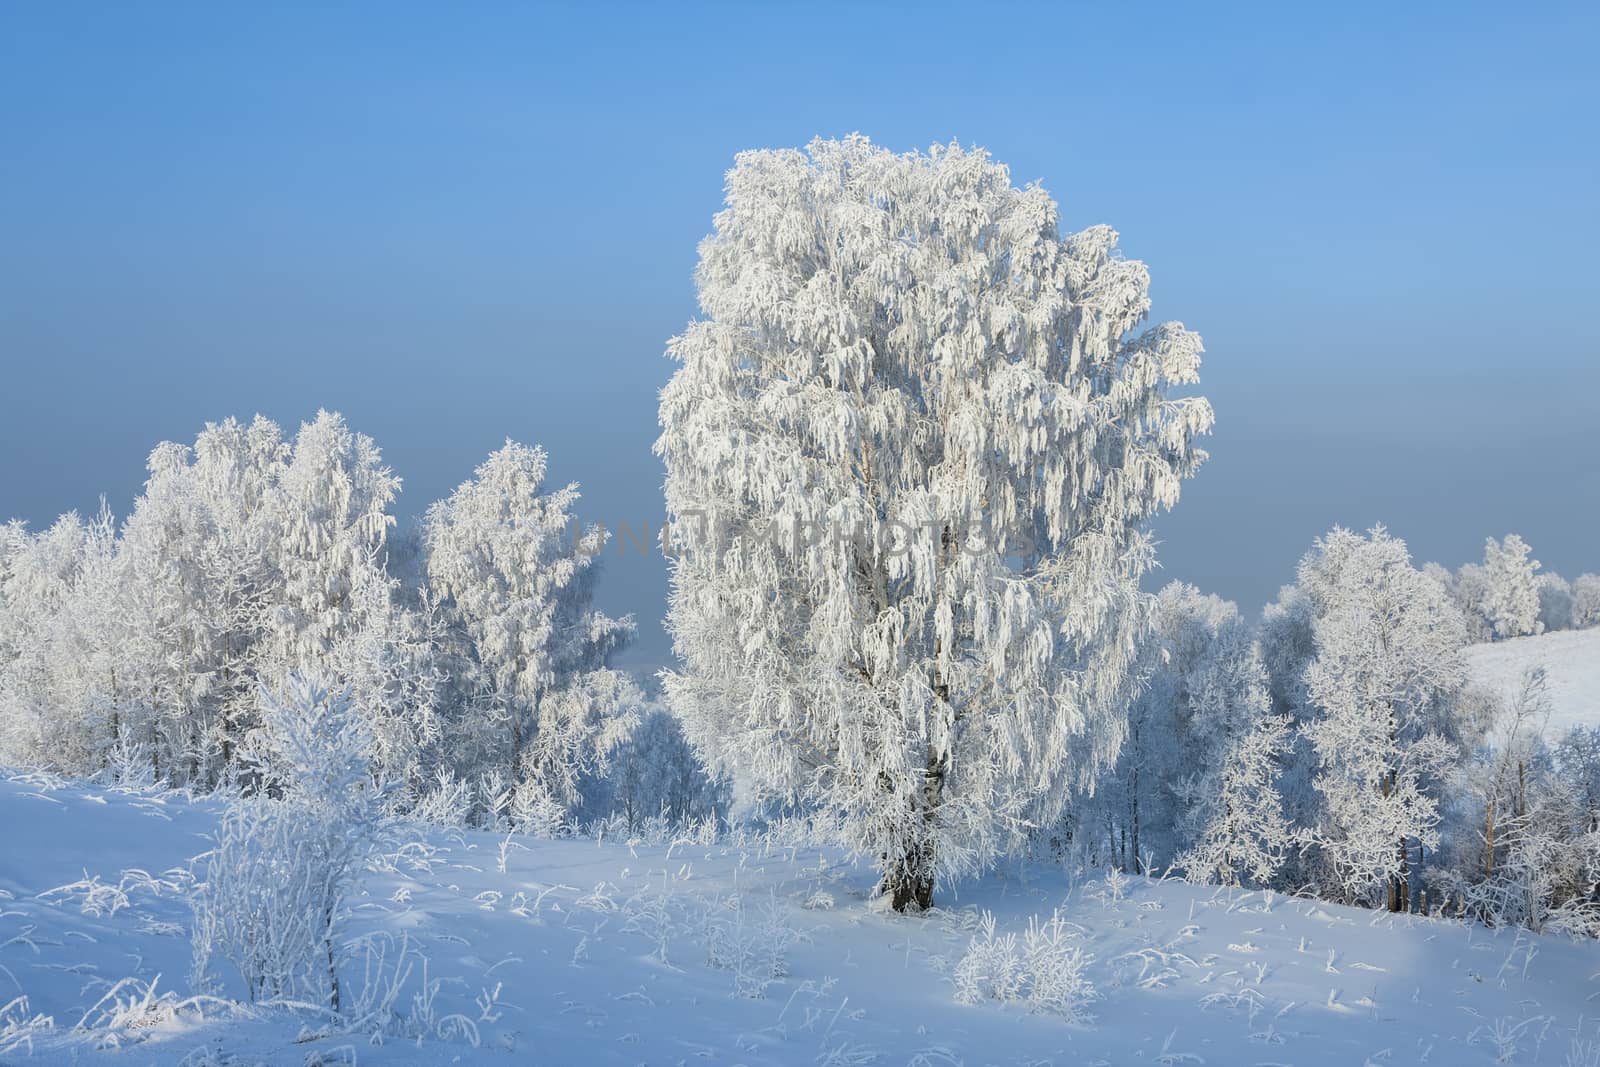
(1571, 659)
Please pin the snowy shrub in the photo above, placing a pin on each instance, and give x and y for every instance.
(424, 1019)
(653, 913)
(131, 1007)
(1113, 888)
(448, 802)
(819, 900)
(1054, 964)
(130, 767)
(534, 811)
(1577, 917)
(990, 969)
(753, 947)
(98, 898)
(272, 902)
(1047, 973)
(1582, 1053)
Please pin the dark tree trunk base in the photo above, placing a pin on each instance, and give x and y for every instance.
(909, 884)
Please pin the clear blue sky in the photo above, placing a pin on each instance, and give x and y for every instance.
(459, 223)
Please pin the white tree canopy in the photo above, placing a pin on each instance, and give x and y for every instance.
(911, 453)
(516, 578)
(1389, 663)
(1511, 589)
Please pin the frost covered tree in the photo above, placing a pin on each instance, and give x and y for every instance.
(1136, 803)
(196, 586)
(249, 558)
(655, 774)
(1288, 645)
(1555, 602)
(1470, 592)
(329, 514)
(245, 559)
(252, 557)
(515, 578)
(912, 450)
(392, 659)
(1387, 670)
(1586, 601)
(1177, 786)
(170, 632)
(1196, 782)
(1232, 818)
(1498, 781)
(1524, 848)
(1511, 590)
(64, 704)
(234, 467)
(1286, 635)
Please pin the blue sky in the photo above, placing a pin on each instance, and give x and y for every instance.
(461, 223)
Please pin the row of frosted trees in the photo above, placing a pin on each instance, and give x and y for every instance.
(1507, 596)
(1339, 746)
(471, 649)
(913, 450)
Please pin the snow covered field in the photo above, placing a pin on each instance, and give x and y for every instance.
(1571, 659)
(525, 950)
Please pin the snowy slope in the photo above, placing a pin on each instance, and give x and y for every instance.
(1571, 659)
(602, 954)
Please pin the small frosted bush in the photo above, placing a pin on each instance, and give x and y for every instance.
(753, 947)
(1047, 972)
(990, 970)
(285, 858)
(1054, 964)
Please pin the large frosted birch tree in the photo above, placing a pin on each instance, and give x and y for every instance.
(912, 450)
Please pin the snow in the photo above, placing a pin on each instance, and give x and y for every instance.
(606, 952)
(1571, 659)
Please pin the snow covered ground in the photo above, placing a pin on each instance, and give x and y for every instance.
(1571, 659)
(585, 952)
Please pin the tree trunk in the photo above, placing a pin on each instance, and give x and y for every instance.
(1400, 888)
(909, 883)
(227, 709)
(1133, 794)
(1488, 840)
(333, 972)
